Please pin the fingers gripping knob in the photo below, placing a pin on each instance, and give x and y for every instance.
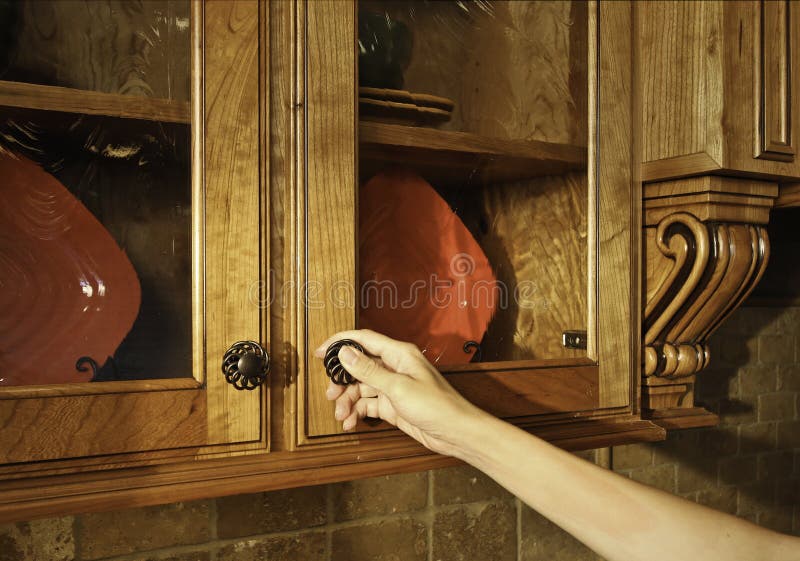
(333, 366)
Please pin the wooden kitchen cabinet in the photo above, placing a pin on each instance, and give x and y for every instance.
(720, 98)
(538, 160)
(548, 201)
(139, 162)
(720, 90)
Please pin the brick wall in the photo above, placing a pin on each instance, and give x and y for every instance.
(749, 465)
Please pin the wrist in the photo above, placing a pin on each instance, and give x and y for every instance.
(471, 436)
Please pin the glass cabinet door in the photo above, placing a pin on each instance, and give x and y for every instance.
(126, 136)
(471, 206)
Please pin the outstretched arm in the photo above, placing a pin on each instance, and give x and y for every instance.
(618, 518)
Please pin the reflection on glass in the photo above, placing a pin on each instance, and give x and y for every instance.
(95, 257)
(112, 46)
(473, 200)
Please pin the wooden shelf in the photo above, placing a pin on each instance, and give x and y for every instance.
(789, 196)
(68, 100)
(461, 155)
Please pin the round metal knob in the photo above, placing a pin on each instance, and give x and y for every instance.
(245, 365)
(333, 366)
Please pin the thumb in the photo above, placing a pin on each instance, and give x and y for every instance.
(365, 369)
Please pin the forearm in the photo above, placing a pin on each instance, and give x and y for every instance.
(618, 518)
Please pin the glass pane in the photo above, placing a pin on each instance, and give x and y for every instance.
(95, 192)
(113, 46)
(473, 206)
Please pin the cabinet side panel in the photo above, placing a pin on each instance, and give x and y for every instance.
(761, 106)
(232, 252)
(328, 298)
(681, 78)
(618, 229)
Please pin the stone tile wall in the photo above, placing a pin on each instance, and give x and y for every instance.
(749, 466)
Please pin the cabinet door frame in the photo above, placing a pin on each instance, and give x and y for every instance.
(126, 423)
(327, 175)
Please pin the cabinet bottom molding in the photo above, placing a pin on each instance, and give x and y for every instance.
(192, 480)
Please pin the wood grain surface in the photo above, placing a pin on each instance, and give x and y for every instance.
(233, 252)
(789, 196)
(63, 427)
(724, 199)
(330, 197)
(681, 73)
(519, 393)
(775, 37)
(540, 255)
(617, 223)
(70, 100)
(139, 48)
(187, 481)
(716, 88)
(679, 418)
(93, 388)
(696, 275)
(515, 71)
(457, 155)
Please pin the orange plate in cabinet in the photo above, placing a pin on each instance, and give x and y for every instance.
(68, 291)
(423, 277)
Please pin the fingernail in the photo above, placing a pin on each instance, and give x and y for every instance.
(348, 356)
(339, 413)
(348, 425)
(330, 393)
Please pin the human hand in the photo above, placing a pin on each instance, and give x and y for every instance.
(401, 387)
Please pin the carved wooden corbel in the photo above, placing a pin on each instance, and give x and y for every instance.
(706, 248)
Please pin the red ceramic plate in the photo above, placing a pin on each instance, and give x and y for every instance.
(66, 288)
(423, 276)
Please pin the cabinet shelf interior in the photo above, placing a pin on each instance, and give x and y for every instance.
(71, 100)
(465, 155)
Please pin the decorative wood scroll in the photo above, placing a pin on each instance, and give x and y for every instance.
(698, 274)
(706, 248)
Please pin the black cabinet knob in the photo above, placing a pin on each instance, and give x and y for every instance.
(333, 366)
(245, 365)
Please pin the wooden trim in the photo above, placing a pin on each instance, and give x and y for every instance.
(618, 206)
(287, 223)
(97, 388)
(789, 196)
(198, 195)
(592, 175)
(119, 423)
(87, 102)
(679, 418)
(266, 286)
(330, 196)
(509, 393)
(92, 492)
(637, 260)
(233, 198)
(711, 206)
(687, 165)
(297, 224)
(775, 35)
(510, 365)
(710, 184)
(380, 440)
(710, 198)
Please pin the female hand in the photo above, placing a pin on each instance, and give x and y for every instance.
(401, 387)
